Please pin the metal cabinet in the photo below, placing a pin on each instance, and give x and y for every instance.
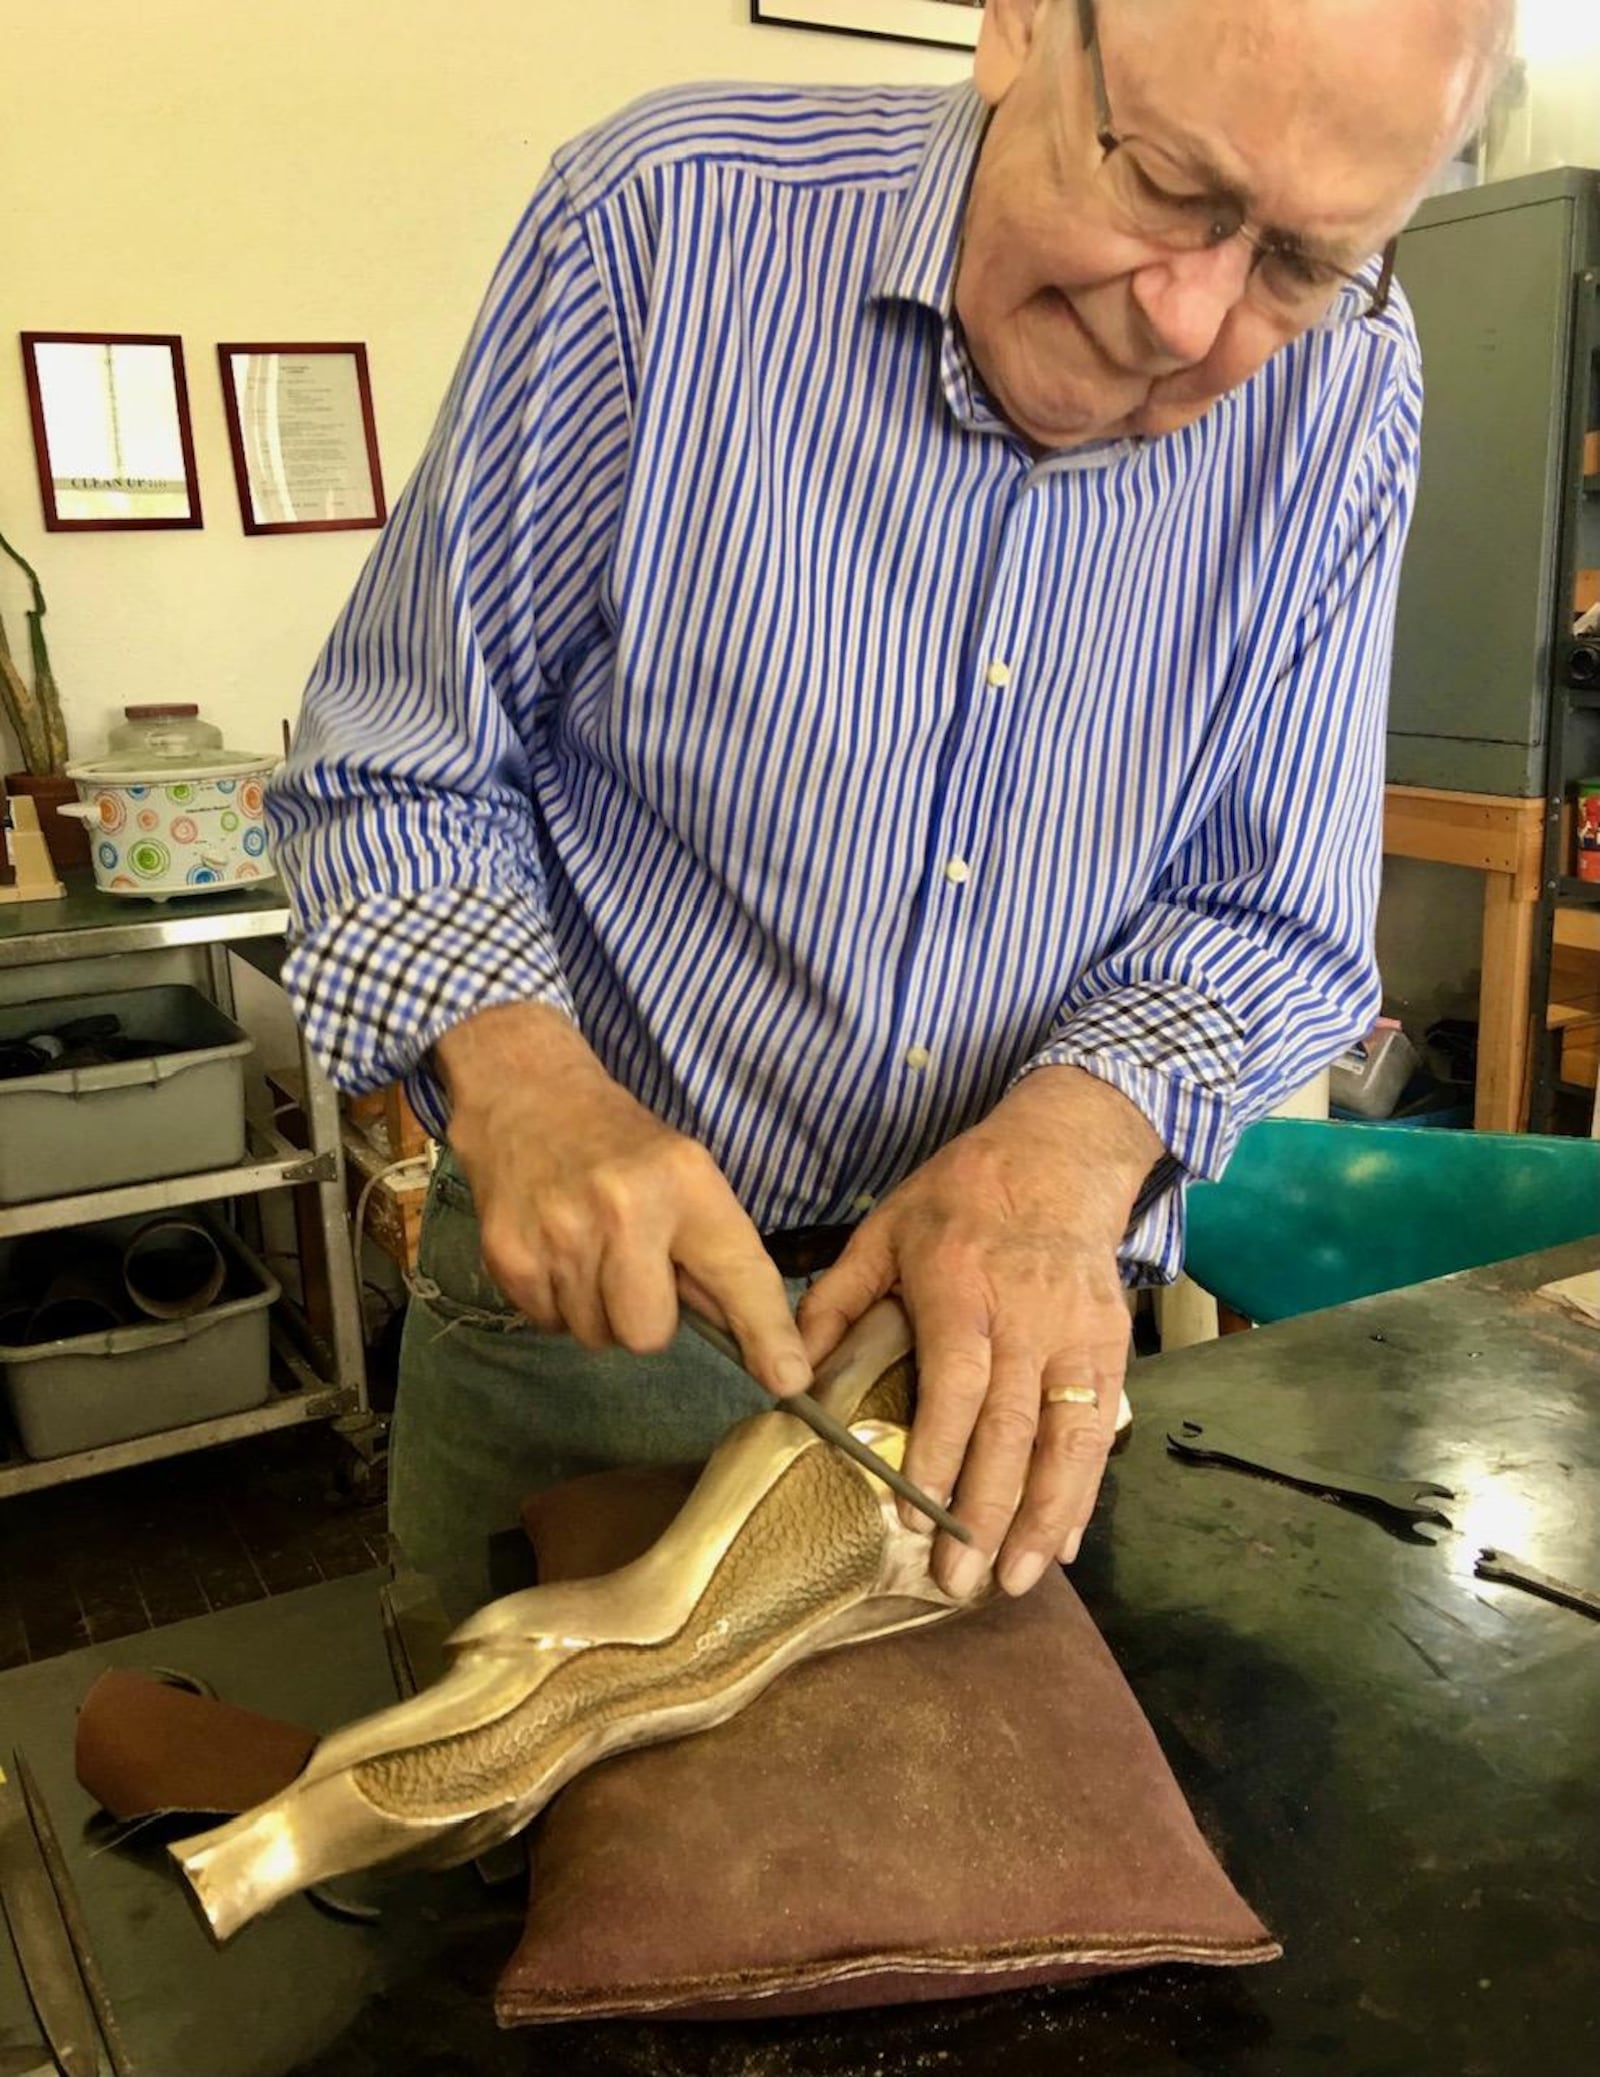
(315, 1377)
(1505, 283)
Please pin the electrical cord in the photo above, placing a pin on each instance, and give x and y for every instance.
(363, 1202)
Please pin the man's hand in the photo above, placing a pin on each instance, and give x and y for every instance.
(594, 1214)
(1003, 1249)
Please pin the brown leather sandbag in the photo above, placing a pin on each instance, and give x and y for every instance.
(954, 1811)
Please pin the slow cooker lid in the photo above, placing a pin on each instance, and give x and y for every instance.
(133, 771)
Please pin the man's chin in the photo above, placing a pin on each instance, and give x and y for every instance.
(1135, 409)
(1076, 418)
(1057, 432)
(1058, 424)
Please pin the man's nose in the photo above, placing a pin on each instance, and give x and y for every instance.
(1187, 297)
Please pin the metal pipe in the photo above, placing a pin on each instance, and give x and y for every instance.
(172, 1268)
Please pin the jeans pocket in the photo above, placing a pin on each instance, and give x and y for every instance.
(450, 1273)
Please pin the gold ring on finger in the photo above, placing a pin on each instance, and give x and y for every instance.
(1072, 1395)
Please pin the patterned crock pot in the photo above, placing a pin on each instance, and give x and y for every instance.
(189, 829)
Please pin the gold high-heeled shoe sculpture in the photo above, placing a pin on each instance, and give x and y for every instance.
(785, 1548)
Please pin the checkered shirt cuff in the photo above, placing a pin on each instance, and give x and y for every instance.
(1176, 1055)
(377, 985)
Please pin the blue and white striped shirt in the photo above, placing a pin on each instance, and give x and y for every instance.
(732, 677)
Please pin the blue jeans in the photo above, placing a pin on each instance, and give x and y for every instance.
(490, 1409)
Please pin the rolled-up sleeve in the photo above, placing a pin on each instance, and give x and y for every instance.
(1252, 966)
(403, 822)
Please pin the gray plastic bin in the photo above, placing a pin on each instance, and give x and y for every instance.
(101, 1388)
(131, 1120)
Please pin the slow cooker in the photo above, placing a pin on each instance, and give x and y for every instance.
(158, 829)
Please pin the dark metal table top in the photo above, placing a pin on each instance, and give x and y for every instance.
(83, 923)
(1396, 1762)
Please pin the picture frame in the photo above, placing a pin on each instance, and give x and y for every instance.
(112, 438)
(951, 23)
(304, 436)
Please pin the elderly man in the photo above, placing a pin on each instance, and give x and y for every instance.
(865, 732)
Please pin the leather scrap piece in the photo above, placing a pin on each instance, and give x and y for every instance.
(146, 1748)
(966, 1809)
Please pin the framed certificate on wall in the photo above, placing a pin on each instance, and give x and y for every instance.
(953, 22)
(305, 443)
(111, 431)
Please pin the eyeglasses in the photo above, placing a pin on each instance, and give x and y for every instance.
(1155, 197)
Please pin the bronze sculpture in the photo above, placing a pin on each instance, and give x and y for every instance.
(785, 1548)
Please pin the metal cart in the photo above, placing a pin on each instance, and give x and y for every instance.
(316, 1376)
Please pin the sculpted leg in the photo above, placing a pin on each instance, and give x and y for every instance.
(784, 1548)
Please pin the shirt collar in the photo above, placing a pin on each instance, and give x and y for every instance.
(916, 262)
(921, 240)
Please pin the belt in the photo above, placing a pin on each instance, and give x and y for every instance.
(806, 1250)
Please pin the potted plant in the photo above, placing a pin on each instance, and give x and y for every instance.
(34, 712)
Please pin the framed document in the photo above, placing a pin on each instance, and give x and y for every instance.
(954, 22)
(305, 446)
(111, 431)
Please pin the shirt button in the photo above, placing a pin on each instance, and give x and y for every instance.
(917, 1058)
(864, 1202)
(999, 674)
(957, 871)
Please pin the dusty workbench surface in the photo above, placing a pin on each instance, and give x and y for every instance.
(1395, 1761)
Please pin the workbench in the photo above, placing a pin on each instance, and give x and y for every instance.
(1395, 1761)
(1502, 839)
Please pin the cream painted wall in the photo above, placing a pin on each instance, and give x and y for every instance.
(292, 170)
(1548, 111)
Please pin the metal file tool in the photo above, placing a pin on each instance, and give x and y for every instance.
(823, 1423)
(41, 1937)
(61, 1882)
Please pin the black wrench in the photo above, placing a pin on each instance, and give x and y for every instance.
(1410, 1499)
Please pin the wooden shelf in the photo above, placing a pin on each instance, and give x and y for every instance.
(1577, 929)
(1488, 832)
(1573, 1012)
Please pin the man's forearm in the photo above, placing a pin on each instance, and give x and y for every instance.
(508, 1044)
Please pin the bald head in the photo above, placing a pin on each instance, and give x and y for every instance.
(1454, 50)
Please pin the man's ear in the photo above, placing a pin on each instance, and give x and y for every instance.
(1004, 40)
